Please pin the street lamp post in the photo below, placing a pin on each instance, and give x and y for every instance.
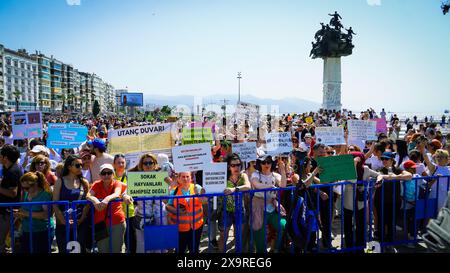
(239, 77)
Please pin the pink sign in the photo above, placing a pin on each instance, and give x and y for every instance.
(381, 125)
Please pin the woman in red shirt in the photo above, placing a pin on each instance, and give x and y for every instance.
(109, 189)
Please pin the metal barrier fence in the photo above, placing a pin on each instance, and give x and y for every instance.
(383, 207)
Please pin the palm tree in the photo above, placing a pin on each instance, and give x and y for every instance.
(17, 94)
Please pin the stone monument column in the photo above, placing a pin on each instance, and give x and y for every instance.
(332, 83)
(330, 45)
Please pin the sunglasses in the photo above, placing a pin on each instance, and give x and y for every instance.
(42, 163)
(330, 153)
(106, 173)
(385, 159)
(235, 165)
(78, 166)
(266, 162)
(295, 141)
(148, 163)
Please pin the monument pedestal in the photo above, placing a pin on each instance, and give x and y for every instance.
(332, 83)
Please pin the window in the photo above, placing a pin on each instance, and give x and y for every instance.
(16, 80)
(9, 88)
(8, 70)
(9, 79)
(23, 74)
(16, 63)
(28, 66)
(8, 61)
(22, 82)
(22, 65)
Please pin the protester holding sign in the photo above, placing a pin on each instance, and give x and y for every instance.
(187, 213)
(155, 211)
(236, 181)
(364, 173)
(71, 187)
(266, 178)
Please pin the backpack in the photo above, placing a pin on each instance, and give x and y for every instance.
(302, 219)
(437, 237)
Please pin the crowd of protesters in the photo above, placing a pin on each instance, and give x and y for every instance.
(31, 172)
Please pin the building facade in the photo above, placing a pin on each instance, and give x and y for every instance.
(38, 82)
(2, 92)
(20, 81)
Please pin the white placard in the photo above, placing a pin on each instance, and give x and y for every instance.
(246, 151)
(278, 143)
(362, 129)
(358, 142)
(188, 158)
(330, 135)
(215, 177)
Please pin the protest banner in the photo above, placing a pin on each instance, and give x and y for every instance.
(194, 157)
(147, 184)
(66, 135)
(215, 177)
(246, 150)
(336, 168)
(309, 120)
(381, 125)
(196, 135)
(362, 129)
(330, 135)
(278, 143)
(26, 125)
(141, 138)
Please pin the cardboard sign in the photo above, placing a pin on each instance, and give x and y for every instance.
(196, 135)
(381, 125)
(336, 168)
(362, 129)
(188, 158)
(141, 138)
(66, 135)
(330, 135)
(278, 143)
(26, 125)
(309, 120)
(147, 184)
(246, 151)
(215, 178)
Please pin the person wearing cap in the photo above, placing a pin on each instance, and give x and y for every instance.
(38, 150)
(410, 195)
(107, 189)
(266, 178)
(305, 146)
(98, 148)
(433, 146)
(387, 199)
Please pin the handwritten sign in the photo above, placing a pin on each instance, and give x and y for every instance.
(336, 168)
(246, 151)
(66, 135)
(147, 184)
(381, 125)
(196, 135)
(188, 158)
(141, 138)
(215, 178)
(362, 129)
(26, 125)
(278, 143)
(330, 135)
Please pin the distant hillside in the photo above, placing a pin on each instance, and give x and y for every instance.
(286, 105)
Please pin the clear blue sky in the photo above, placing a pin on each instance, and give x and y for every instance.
(172, 47)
